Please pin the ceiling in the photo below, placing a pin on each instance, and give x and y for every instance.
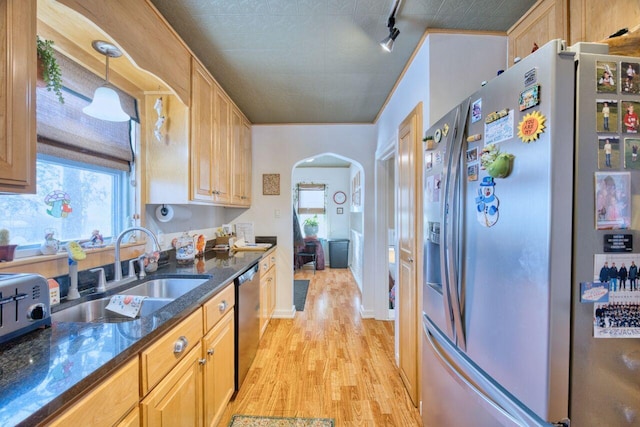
(318, 61)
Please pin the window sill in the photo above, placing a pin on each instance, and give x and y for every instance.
(58, 265)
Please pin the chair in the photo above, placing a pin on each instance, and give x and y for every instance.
(309, 251)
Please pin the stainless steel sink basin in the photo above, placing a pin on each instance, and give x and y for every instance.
(164, 288)
(95, 311)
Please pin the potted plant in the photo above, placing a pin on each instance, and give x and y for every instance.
(6, 250)
(311, 226)
(48, 68)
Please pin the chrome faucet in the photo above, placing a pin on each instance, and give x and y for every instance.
(117, 268)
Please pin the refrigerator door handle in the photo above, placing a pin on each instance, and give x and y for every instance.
(494, 398)
(450, 218)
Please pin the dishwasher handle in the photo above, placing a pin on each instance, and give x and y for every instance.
(249, 274)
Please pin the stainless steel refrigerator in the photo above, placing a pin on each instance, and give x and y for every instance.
(506, 341)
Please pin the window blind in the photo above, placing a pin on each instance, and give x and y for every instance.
(311, 198)
(64, 131)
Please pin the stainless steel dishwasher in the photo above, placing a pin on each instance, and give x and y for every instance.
(247, 320)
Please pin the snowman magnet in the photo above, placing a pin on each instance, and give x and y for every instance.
(487, 203)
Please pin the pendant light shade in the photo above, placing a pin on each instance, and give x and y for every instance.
(106, 102)
(106, 106)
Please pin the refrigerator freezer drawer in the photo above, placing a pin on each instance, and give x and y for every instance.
(456, 393)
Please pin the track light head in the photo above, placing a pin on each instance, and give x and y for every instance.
(387, 43)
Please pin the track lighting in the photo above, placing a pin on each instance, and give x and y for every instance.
(387, 42)
(106, 102)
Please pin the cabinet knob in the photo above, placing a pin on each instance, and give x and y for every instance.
(180, 345)
(202, 361)
(210, 352)
(222, 306)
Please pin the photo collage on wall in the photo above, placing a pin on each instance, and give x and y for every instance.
(617, 124)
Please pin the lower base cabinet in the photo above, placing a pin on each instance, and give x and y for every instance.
(108, 403)
(132, 419)
(177, 399)
(219, 369)
(183, 377)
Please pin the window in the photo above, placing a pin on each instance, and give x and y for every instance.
(72, 199)
(311, 203)
(83, 168)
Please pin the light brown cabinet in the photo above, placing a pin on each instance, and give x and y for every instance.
(177, 400)
(165, 353)
(220, 145)
(109, 402)
(240, 159)
(219, 379)
(17, 92)
(267, 290)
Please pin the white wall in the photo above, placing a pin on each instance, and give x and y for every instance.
(336, 179)
(446, 69)
(278, 149)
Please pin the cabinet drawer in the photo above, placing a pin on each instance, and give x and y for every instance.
(158, 359)
(267, 262)
(107, 403)
(218, 306)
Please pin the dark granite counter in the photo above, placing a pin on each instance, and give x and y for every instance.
(44, 370)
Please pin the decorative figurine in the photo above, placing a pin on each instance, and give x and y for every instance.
(51, 244)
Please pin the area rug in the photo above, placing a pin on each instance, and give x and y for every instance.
(254, 421)
(300, 288)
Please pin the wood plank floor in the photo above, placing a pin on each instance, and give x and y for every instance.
(327, 362)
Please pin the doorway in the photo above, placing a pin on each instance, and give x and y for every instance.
(339, 216)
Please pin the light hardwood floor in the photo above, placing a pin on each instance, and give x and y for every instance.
(327, 362)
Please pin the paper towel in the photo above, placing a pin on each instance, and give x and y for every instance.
(166, 213)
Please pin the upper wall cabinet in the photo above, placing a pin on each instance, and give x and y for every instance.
(220, 144)
(17, 96)
(240, 159)
(545, 21)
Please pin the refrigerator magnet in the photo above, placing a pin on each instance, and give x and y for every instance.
(487, 203)
(531, 126)
(437, 136)
(530, 97)
(476, 110)
(445, 129)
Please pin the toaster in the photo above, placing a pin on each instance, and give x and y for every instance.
(24, 304)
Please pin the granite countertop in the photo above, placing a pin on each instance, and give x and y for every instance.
(44, 370)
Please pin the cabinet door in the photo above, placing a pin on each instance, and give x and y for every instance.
(202, 141)
(18, 96)
(161, 356)
(246, 163)
(219, 352)
(132, 419)
(264, 302)
(221, 156)
(177, 400)
(107, 403)
(236, 158)
(272, 293)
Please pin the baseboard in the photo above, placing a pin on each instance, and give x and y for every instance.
(284, 314)
(366, 314)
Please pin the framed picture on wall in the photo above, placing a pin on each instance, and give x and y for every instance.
(271, 184)
(340, 211)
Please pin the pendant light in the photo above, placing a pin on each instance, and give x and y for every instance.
(106, 102)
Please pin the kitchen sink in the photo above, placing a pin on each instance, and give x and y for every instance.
(95, 311)
(172, 287)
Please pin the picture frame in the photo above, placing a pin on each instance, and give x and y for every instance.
(612, 200)
(339, 211)
(271, 184)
